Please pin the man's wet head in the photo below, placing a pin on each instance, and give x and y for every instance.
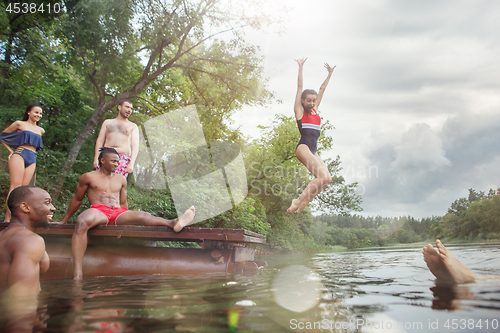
(31, 202)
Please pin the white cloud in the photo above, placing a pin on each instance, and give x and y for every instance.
(423, 170)
(420, 150)
(415, 94)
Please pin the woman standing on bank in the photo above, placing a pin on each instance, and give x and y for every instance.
(26, 136)
(308, 120)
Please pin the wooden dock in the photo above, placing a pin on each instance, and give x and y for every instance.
(131, 250)
(158, 233)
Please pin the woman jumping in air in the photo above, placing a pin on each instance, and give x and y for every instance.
(308, 120)
(26, 135)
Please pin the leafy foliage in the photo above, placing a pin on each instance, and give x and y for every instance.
(473, 217)
(77, 65)
(353, 231)
(275, 177)
(337, 196)
(121, 47)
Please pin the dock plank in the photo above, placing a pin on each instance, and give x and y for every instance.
(158, 233)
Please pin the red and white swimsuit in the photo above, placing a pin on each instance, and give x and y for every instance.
(309, 128)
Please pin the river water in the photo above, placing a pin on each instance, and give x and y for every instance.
(386, 290)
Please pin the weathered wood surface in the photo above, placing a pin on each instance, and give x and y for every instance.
(158, 233)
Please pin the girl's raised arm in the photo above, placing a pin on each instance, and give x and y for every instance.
(297, 108)
(324, 84)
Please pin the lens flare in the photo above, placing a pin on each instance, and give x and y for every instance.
(233, 317)
(297, 288)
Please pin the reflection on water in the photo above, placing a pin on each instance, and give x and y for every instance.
(361, 291)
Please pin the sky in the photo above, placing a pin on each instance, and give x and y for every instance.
(414, 99)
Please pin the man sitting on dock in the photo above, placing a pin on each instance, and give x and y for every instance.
(107, 194)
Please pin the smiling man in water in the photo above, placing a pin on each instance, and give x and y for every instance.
(23, 259)
(22, 251)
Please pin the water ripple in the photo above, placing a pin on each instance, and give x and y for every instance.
(356, 288)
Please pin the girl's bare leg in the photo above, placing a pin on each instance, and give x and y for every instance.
(319, 169)
(17, 176)
(28, 173)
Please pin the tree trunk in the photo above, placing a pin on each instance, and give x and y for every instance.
(95, 119)
(80, 140)
(8, 57)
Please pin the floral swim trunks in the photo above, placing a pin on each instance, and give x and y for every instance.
(123, 162)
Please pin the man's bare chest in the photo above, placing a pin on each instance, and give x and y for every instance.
(119, 128)
(104, 185)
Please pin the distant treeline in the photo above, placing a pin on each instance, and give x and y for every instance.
(476, 217)
(358, 231)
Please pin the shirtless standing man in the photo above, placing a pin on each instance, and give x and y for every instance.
(120, 133)
(107, 194)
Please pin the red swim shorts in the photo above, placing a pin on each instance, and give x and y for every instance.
(110, 212)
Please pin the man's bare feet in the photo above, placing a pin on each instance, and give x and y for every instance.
(445, 267)
(184, 219)
(77, 275)
(435, 263)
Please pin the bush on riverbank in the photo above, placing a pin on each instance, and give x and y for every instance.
(475, 218)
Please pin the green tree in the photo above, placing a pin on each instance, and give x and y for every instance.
(470, 217)
(22, 28)
(122, 47)
(338, 196)
(275, 177)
